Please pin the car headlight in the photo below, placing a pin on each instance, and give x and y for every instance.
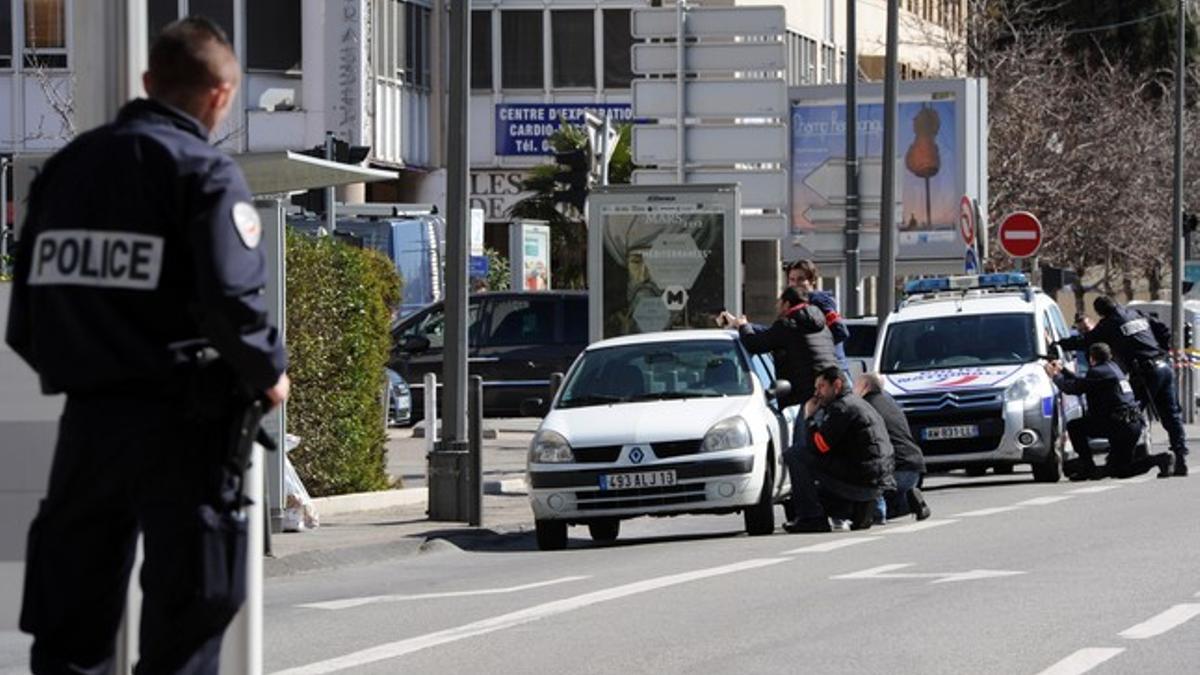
(728, 434)
(1022, 388)
(550, 447)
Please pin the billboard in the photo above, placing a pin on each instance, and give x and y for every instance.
(529, 253)
(662, 257)
(940, 156)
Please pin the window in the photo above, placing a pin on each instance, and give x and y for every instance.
(573, 47)
(618, 41)
(432, 326)
(5, 33)
(521, 49)
(575, 321)
(416, 57)
(521, 322)
(481, 50)
(273, 35)
(219, 12)
(159, 13)
(45, 34)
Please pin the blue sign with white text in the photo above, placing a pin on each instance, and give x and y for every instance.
(478, 267)
(525, 128)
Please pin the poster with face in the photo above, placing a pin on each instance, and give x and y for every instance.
(664, 265)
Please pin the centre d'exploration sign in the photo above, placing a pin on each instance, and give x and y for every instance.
(662, 257)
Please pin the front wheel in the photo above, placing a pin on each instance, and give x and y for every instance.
(1049, 470)
(551, 534)
(760, 518)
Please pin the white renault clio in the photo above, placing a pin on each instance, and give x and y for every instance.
(659, 424)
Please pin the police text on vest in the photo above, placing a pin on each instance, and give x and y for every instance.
(99, 259)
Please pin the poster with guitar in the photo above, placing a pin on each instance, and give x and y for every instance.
(928, 170)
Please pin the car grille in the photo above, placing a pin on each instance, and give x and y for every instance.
(981, 407)
(597, 454)
(683, 493)
(676, 448)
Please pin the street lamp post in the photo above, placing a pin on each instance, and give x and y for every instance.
(885, 292)
(1177, 193)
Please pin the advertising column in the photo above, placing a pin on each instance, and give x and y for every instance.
(530, 259)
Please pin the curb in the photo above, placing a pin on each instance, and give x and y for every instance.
(505, 486)
(369, 501)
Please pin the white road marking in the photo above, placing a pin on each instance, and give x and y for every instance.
(1082, 661)
(917, 527)
(1042, 501)
(889, 572)
(1175, 616)
(1093, 489)
(827, 546)
(987, 512)
(1141, 479)
(347, 603)
(399, 648)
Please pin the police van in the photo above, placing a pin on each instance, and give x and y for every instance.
(963, 358)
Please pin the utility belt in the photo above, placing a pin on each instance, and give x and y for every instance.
(1127, 415)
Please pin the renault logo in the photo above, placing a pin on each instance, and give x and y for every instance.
(636, 455)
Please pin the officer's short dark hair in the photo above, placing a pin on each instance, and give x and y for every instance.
(792, 296)
(1104, 305)
(831, 374)
(191, 54)
(1100, 353)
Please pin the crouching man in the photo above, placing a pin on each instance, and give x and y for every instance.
(847, 463)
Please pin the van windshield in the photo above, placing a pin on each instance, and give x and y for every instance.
(955, 341)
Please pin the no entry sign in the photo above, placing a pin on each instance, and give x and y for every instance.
(1020, 234)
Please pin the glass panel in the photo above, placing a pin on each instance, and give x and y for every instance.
(575, 328)
(5, 33)
(159, 13)
(618, 40)
(219, 12)
(573, 47)
(521, 49)
(481, 50)
(273, 35)
(45, 24)
(521, 322)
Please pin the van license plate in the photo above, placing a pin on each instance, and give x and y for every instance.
(950, 433)
(633, 481)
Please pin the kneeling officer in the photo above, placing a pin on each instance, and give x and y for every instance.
(1112, 413)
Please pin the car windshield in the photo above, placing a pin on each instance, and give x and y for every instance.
(954, 341)
(861, 343)
(657, 370)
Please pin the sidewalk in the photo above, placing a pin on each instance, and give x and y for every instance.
(375, 526)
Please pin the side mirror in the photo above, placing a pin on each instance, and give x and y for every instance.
(415, 344)
(534, 407)
(779, 389)
(1057, 353)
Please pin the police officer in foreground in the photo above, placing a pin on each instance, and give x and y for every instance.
(1139, 352)
(1112, 413)
(138, 294)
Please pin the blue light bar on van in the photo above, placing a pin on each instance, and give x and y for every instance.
(994, 280)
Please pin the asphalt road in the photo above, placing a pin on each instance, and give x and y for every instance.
(1008, 576)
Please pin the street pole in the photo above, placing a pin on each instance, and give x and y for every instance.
(1177, 196)
(680, 130)
(853, 306)
(885, 291)
(449, 463)
(330, 216)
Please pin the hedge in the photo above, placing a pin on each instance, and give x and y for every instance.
(339, 301)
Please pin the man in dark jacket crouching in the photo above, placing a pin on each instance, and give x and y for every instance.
(847, 463)
(906, 498)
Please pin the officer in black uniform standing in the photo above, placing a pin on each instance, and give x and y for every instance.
(138, 294)
(1112, 413)
(1137, 351)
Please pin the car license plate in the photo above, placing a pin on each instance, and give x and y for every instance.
(950, 433)
(633, 481)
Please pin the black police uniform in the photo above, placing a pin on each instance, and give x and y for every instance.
(1112, 413)
(1138, 353)
(141, 237)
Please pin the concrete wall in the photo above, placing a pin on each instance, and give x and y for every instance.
(28, 427)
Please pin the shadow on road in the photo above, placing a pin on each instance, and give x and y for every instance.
(489, 541)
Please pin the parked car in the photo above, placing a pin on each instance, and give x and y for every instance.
(399, 400)
(659, 424)
(516, 340)
(860, 346)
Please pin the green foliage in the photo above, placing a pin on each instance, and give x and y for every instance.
(620, 166)
(499, 277)
(339, 305)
